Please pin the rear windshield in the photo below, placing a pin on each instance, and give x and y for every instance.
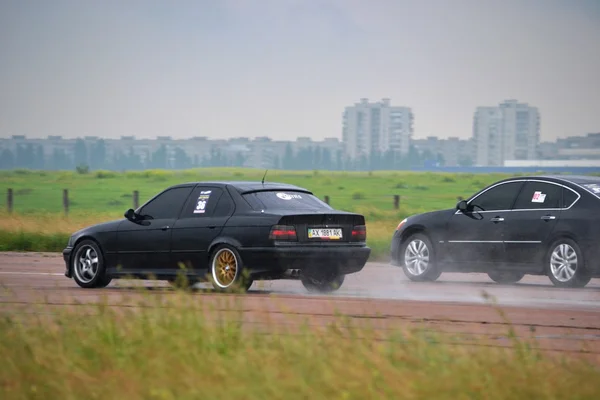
(280, 200)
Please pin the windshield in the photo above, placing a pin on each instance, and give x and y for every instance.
(282, 200)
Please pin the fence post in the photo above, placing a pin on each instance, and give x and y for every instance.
(396, 202)
(136, 199)
(66, 201)
(9, 200)
(327, 199)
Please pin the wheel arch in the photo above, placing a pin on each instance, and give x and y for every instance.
(411, 230)
(559, 235)
(220, 241)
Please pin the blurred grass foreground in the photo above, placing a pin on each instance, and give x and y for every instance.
(177, 351)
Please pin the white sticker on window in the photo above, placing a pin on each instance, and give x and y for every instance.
(286, 196)
(201, 202)
(538, 197)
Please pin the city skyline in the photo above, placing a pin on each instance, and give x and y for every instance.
(386, 102)
(285, 68)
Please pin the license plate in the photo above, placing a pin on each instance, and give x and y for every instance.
(325, 233)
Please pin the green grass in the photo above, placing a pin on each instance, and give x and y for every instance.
(367, 192)
(177, 352)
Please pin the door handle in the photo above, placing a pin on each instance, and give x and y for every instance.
(164, 228)
(212, 226)
(548, 217)
(497, 219)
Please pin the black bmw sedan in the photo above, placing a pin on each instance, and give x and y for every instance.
(539, 225)
(229, 233)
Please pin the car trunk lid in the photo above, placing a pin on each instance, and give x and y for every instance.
(326, 226)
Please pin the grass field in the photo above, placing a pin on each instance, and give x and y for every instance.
(38, 222)
(177, 352)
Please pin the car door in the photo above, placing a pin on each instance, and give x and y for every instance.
(476, 236)
(533, 218)
(144, 246)
(201, 221)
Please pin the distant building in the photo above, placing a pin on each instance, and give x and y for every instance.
(452, 152)
(370, 128)
(510, 131)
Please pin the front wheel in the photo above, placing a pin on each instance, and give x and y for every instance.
(322, 284)
(506, 277)
(87, 264)
(565, 265)
(418, 259)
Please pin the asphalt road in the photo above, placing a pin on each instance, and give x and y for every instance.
(375, 281)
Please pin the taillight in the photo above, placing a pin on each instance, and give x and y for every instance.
(283, 232)
(359, 232)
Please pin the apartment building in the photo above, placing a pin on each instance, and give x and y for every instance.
(370, 128)
(509, 131)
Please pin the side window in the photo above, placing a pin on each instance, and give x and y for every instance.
(569, 198)
(500, 197)
(167, 204)
(225, 206)
(201, 203)
(539, 195)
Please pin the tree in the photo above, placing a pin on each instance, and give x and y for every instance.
(97, 155)
(7, 159)
(288, 159)
(80, 153)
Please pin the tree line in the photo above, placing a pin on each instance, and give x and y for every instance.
(95, 157)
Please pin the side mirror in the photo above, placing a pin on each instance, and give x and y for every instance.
(130, 214)
(462, 206)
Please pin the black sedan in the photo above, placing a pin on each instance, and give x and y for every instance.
(539, 225)
(229, 233)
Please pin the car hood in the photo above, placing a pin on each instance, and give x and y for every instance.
(109, 226)
(432, 215)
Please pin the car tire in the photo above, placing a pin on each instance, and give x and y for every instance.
(223, 260)
(326, 284)
(88, 267)
(422, 266)
(506, 277)
(565, 265)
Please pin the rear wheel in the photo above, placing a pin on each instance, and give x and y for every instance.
(566, 266)
(506, 277)
(418, 259)
(325, 284)
(227, 271)
(87, 264)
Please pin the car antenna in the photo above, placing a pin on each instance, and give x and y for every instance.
(263, 179)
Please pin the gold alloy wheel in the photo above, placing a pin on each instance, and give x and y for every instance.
(224, 269)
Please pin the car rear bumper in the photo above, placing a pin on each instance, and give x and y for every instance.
(67, 257)
(343, 259)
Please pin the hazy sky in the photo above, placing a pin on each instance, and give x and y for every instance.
(287, 68)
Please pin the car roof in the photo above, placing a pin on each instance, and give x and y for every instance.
(574, 179)
(250, 186)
